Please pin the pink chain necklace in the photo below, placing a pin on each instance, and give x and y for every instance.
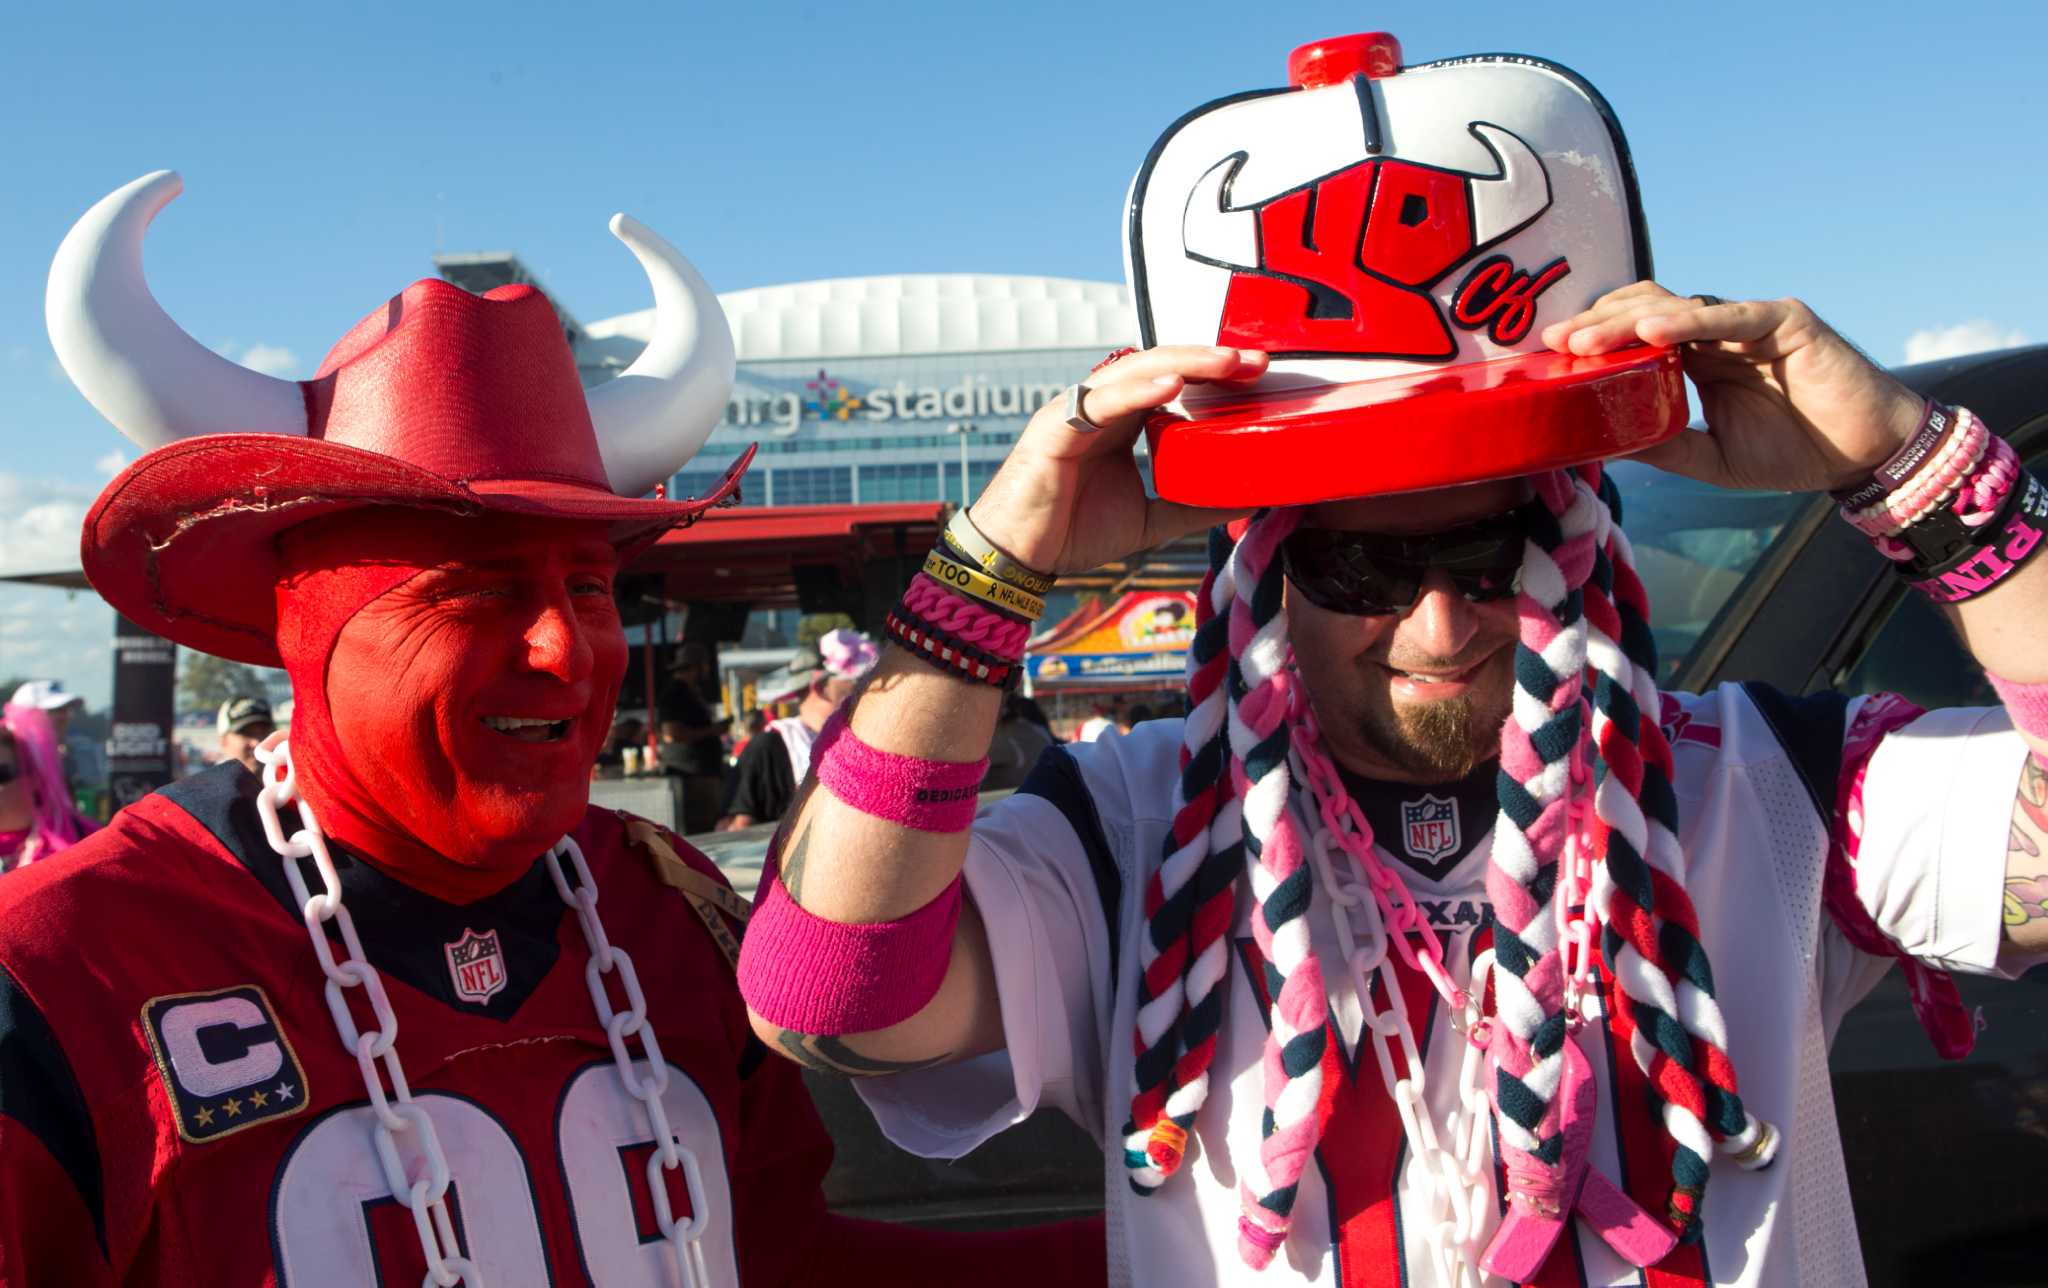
(1413, 938)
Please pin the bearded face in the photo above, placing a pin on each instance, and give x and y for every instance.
(1421, 695)
(467, 688)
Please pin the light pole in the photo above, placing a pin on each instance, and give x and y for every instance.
(962, 428)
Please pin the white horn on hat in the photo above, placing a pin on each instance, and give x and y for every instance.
(1504, 202)
(152, 381)
(659, 411)
(1211, 229)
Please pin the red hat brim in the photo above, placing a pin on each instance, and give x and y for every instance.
(1425, 429)
(184, 541)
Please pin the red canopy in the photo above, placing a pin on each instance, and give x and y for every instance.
(752, 553)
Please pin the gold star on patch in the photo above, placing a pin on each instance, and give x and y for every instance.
(233, 1106)
(204, 1117)
(258, 1099)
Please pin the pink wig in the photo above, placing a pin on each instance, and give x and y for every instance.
(56, 823)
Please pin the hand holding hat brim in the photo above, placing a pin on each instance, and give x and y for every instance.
(1790, 405)
(1057, 474)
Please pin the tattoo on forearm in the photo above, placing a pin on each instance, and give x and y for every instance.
(793, 866)
(2033, 797)
(832, 1055)
(2026, 873)
(2026, 899)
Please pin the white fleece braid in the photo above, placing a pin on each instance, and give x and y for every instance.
(1189, 903)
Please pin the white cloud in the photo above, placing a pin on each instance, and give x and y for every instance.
(112, 463)
(55, 634)
(270, 359)
(1974, 336)
(39, 522)
(44, 631)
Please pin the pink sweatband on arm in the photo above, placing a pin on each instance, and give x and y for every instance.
(2027, 704)
(929, 795)
(804, 973)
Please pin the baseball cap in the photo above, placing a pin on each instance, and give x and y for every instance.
(237, 714)
(44, 695)
(1397, 237)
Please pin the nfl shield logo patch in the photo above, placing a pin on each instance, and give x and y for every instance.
(477, 965)
(1429, 828)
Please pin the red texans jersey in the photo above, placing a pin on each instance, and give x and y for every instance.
(176, 1106)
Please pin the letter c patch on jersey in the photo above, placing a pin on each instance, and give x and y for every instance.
(225, 1061)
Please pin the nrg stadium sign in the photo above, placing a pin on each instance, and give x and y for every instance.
(828, 400)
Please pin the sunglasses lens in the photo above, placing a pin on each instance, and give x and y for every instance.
(8, 774)
(1339, 577)
(1368, 574)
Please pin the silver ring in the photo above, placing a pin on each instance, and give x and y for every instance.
(1077, 420)
(1710, 300)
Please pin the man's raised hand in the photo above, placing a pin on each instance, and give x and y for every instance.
(1067, 500)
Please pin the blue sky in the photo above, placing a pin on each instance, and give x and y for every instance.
(1879, 160)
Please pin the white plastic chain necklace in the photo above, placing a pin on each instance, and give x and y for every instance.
(1452, 1178)
(423, 1186)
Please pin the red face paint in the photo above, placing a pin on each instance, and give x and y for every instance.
(411, 639)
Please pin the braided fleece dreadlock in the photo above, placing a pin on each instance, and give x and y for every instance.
(1583, 610)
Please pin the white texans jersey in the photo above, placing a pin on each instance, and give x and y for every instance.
(1059, 870)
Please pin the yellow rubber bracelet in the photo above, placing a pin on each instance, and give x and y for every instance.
(977, 550)
(981, 586)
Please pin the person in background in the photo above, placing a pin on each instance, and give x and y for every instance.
(757, 720)
(59, 704)
(1098, 724)
(52, 699)
(626, 732)
(1134, 716)
(243, 724)
(37, 818)
(1019, 740)
(779, 756)
(692, 746)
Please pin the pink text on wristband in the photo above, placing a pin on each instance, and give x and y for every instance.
(2004, 550)
(825, 978)
(929, 795)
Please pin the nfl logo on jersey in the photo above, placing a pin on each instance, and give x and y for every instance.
(477, 965)
(1429, 828)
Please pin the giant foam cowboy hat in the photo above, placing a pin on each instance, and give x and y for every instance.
(1397, 237)
(439, 399)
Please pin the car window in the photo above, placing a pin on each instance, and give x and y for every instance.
(1916, 654)
(1694, 543)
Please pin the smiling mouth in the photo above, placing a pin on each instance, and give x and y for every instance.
(528, 728)
(1431, 677)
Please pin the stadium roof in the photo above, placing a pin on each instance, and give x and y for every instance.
(913, 313)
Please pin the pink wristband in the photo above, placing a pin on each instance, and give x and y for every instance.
(929, 795)
(966, 619)
(825, 978)
(2027, 704)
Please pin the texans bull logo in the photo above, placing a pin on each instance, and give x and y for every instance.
(1344, 265)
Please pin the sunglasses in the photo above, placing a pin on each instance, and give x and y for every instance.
(1368, 574)
(8, 773)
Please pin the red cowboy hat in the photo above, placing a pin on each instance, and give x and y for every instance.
(439, 399)
(1396, 237)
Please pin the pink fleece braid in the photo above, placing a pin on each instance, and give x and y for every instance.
(1180, 926)
(1537, 747)
(967, 619)
(1261, 691)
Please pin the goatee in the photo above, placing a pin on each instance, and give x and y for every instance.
(1437, 741)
